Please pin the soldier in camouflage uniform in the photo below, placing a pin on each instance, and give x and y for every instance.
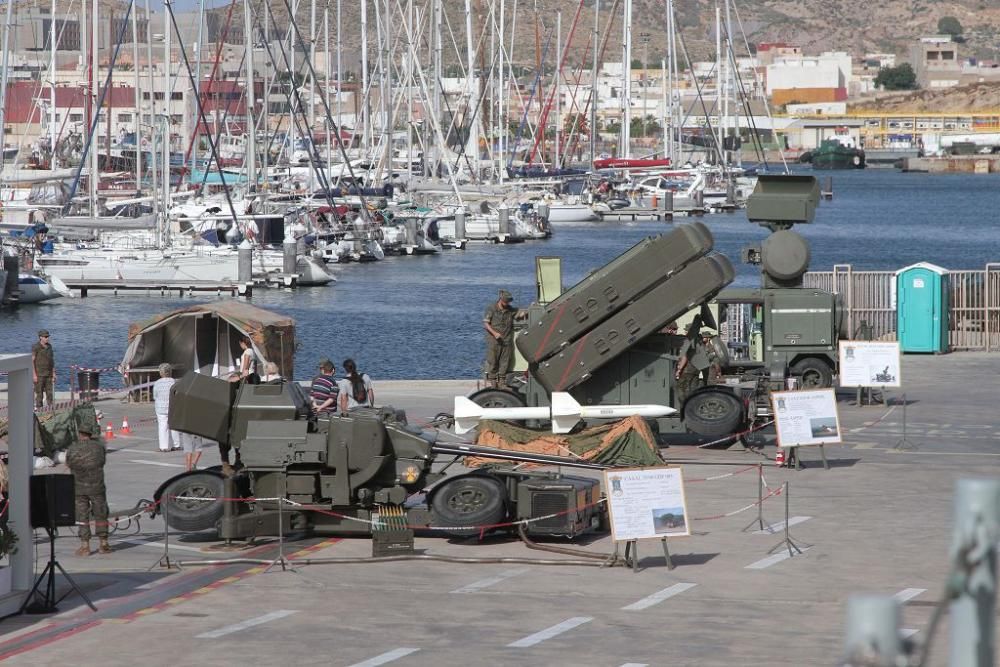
(85, 459)
(697, 363)
(43, 368)
(498, 321)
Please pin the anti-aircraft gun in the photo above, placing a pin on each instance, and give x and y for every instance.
(790, 330)
(338, 474)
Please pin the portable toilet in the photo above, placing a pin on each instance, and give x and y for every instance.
(922, 308)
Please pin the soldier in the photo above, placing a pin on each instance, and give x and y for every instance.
(498, 321)
(687, 373)
(43, 368)
(85, 458)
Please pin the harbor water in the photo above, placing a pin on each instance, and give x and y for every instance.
(419, 317)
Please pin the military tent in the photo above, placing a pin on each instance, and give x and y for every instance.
(205, 338)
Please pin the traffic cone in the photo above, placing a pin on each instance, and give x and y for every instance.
(125, 430)
(779, 457)
(109, 432)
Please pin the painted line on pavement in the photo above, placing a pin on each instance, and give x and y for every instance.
(906, 633)
(154, 543)
(249, 623)
(771, 560)
(780, 525)
(908, 594)
(159, 463)
(658, 597)
(395, 654)
(635, 664)
(484, 583)
(549, 633)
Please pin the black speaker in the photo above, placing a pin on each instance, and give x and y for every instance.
(53, 501)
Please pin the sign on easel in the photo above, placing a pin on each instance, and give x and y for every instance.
(865, 363)
(646, 503)
(806, 417)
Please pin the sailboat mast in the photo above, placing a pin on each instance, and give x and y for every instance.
(53, 36)
(197, 76)
(555, 162)
(593, 83)
(626, 131)
(138, 99)
(3, 76)
(94, 73)
(250, 100)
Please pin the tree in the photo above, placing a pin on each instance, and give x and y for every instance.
(949, 25)
(901, 77)
(576, 122)
(637, 64)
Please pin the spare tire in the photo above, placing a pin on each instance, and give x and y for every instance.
(183, 512)
(713, 413)
(469, 501)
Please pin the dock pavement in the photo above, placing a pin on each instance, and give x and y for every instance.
(878, 521)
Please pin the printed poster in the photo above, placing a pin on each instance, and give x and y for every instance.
(646, 503)
(806, 417)
(866, 363)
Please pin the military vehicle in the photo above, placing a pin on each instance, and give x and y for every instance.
(789, 330)
(341, 474)
(603, 340)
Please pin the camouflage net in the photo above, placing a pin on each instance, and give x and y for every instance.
(628, 442)
(56, 430)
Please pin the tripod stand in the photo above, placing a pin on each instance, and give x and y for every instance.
(46, 602)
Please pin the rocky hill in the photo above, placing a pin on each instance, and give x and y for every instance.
(976, 97)
(858, 26)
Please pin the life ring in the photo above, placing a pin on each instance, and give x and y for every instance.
(857, 160)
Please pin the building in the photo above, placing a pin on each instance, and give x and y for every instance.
(809, 79)
(936, 62)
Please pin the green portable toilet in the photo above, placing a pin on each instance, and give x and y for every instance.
(922, 308)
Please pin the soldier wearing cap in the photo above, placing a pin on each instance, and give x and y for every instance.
(697, 362)
(43, 368)
(498, 321)
(85, 458)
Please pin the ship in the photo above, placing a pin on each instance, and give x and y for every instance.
(836, 153)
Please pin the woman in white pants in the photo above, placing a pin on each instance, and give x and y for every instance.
(169, 440)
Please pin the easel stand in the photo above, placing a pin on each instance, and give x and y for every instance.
(787, 542)
(903, 444)
(758, 523)
(798, 460)
(47, 602)
(631, 557)
(867, 396)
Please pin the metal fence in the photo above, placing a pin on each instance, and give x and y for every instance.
(869, 300)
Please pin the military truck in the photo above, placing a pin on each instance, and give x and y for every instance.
(788, 329)
(603, 340)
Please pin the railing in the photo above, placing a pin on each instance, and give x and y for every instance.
(869, 298)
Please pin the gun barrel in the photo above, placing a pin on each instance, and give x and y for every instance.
(523, 457)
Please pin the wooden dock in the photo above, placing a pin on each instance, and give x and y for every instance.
(634, 213)
(165, 288)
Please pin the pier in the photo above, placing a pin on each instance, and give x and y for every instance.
(244, 289)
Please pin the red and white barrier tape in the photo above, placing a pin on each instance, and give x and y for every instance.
(735, 435)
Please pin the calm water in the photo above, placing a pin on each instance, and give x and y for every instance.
(418, 317)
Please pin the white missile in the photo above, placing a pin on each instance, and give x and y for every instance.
(564, 413)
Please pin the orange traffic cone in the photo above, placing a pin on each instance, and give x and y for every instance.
(109, 432)
(125, 430)
(779, 456)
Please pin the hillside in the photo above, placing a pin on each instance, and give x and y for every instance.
(858, 26)
(976, 97)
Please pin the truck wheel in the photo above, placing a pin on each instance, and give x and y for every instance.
(180, 509)
(713, 413)
(814, 373)
(497, 398)
(471, 500)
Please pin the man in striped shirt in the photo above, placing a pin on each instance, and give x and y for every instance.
(324, 389)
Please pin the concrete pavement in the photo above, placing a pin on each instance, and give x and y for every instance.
(878, 521)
